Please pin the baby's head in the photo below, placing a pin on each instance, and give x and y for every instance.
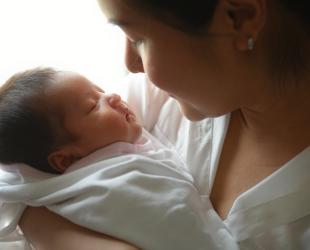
(49, 119)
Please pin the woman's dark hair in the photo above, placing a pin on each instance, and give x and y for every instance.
(27, 133)
(300, 9)
(288, 48)
(188, 16)
(195, 15)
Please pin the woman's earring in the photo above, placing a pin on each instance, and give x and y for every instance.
(250, 43)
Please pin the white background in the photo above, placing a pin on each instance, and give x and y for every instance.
(65, 34)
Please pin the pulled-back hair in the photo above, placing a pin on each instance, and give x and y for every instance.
(188, 16)
(27, 130)
(288, 48)
(193, 16)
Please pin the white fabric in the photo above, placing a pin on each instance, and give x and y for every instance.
(136, 192)
(274, 214)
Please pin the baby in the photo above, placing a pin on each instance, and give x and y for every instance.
(119, 179)
(49, 119)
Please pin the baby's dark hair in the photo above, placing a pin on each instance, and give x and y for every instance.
(29, 128)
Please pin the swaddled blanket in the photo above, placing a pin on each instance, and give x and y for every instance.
(136, 192)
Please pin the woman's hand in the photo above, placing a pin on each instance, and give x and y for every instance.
(49, 231)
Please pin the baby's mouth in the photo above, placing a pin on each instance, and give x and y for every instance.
(129, 115)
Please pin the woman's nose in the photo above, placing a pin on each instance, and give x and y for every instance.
(132, 58)
(114, 100)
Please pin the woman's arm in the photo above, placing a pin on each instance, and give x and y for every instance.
(49, 231)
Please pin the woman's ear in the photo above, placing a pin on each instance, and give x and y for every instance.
(61, 159)
(248, 18)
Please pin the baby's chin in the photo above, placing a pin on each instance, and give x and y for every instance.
(137, 133)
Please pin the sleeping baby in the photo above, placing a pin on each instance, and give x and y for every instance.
(106, 172)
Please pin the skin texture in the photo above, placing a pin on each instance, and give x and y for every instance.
(94, 118)
(61, 234)
(217, 74)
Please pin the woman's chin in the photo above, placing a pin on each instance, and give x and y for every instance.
(191, 113)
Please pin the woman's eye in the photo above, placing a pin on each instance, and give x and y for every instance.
(100, 90)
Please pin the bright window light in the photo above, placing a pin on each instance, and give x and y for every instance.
(65, 34)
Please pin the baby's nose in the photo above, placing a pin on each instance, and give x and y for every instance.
(114, 100)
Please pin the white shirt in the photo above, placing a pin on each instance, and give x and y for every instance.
(274, 214)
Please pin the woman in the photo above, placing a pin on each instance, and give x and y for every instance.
(246, 61)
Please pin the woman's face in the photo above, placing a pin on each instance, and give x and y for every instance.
(201, 73)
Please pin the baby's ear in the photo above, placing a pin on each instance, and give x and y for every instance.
(61, 159)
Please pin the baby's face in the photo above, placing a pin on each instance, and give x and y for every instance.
(97, 119)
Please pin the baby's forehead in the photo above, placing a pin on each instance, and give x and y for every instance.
(70, 82)
(72, 79)
(71, 90)
(68, 78)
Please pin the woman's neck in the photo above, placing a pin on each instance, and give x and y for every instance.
(282, 121)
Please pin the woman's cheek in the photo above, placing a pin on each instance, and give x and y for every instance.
(150, 62)
(159, 66)
(157, 72)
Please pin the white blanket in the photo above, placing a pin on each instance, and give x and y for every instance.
(135, 197)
